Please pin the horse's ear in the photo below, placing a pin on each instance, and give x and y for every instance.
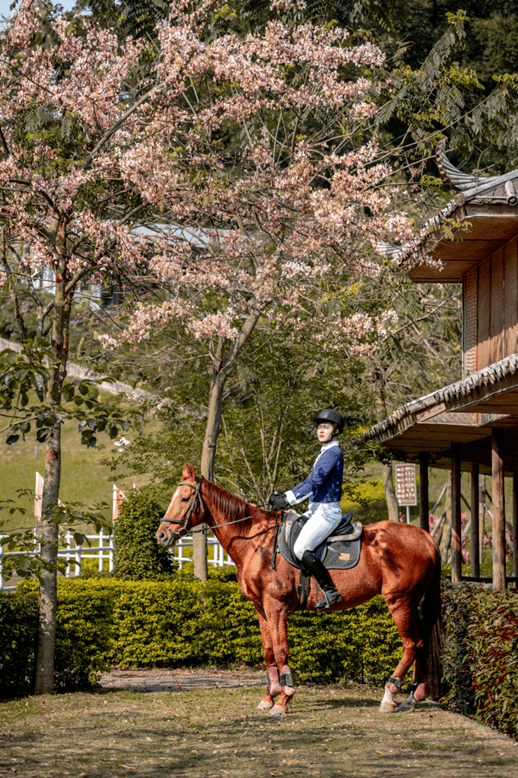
(189, 473)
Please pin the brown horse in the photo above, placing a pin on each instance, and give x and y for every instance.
(399, 561)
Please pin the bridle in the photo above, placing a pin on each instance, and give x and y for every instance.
(196, 502)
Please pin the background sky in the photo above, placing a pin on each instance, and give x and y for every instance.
(5, 6)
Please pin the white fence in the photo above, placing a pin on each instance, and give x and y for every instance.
(101, 550)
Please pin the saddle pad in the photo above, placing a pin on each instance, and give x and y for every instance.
(340, 555)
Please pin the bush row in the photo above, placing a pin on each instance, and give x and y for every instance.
(183, 622)
(481, 654)
(180, 622)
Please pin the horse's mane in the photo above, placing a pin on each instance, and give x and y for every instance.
(231, 506)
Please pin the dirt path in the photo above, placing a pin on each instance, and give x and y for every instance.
(152, 724)
(157, 680)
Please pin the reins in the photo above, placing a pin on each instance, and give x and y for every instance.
(217, 526)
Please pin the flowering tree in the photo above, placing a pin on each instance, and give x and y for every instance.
(257, 167)
(61, 93)
(247, 158)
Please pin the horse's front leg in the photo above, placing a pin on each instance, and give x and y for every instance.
(276, 618)
(273, 685)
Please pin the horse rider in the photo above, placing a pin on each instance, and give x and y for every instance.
(323, 487)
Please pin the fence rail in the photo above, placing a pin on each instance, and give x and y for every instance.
(101, 551)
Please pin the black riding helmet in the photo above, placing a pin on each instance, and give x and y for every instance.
(333, 417)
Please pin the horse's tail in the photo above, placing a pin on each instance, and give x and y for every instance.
(433, 631)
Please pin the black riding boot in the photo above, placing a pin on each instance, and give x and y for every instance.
(314, 566)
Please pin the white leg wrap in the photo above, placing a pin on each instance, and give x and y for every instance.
(387, 704)
(274, 685)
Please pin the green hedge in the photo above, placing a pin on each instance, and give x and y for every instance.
(18, 625)
(180, 622)
(481, 654)
(103, 621)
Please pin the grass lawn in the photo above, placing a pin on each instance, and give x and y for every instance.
(331, 731)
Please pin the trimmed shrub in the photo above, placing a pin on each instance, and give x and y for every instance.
(18, 629)
(137, 555)
(156, 624)
(481, 654)
(457, 681)
(84, 631)
(361, 644)
(495, 665)
(179, 622)
(84, 626)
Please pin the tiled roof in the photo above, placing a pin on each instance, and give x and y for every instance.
(461, 390)
(471, 188)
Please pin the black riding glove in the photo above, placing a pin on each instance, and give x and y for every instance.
(278, 502)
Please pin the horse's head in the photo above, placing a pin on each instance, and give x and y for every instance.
(186, 509)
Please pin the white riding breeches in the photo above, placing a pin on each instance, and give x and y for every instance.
(324, 517)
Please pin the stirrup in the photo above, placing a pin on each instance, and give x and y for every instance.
(329, 598)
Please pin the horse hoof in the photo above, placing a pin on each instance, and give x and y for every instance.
(265, 705)
(388, 707)
(278, 710)
(406, 707)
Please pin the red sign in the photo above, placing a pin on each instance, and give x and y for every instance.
(406, 484)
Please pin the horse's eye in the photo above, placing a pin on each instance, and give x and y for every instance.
(184, 499)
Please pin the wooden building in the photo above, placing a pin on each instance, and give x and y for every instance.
(471, 425)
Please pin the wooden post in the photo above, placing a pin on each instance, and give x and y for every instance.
(423, 493)
(497, 467)
(456, 556)
(475, 510)
(482, 500)
(515, 526)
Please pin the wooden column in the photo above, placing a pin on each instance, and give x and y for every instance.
(456, 556)
(475, 522)
(497, 467)
(515, 526)
(423, 493)
(482, 499)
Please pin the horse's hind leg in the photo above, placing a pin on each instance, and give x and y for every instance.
(404, 614)
(418, 688)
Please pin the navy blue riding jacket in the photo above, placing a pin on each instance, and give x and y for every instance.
(324, 483)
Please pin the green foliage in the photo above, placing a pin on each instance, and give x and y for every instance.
(361, 644)
(83, 627)
(481, 654)
(18, 625)
(457, 604)
(25, 375)
(495, 653)
(137, 555)
(83, 631)
(103, 621)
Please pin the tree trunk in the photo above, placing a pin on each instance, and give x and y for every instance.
(221, 369)
(381, 413)
(47, 599)
(390, 494)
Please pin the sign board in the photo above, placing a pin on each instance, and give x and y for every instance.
(406, 484)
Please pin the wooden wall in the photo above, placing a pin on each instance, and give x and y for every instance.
(490, 300)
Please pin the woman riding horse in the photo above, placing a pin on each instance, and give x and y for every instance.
(399, 561)
(323, 487)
